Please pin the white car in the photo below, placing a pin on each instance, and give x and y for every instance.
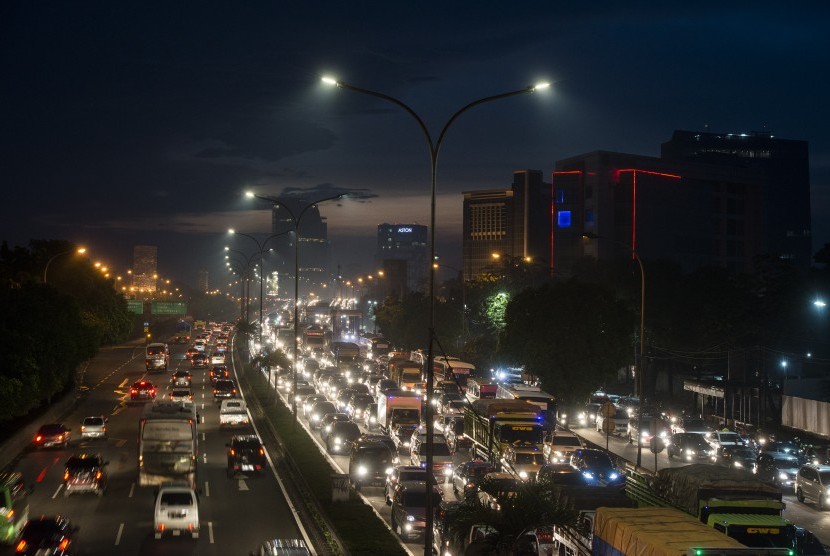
(94, 427)
(199, 345)
(217, 358)
(176, 511)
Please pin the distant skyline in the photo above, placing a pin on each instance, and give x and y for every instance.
(143, 124)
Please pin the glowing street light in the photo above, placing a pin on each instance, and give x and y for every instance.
(79, 251)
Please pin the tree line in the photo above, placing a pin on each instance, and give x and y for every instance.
(51, 321)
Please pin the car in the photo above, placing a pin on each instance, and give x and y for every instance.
(94, 427)
(199, 345)
(53, 435)
(813, 482)
(318, 411)
(597, 468)
(309, 401)
(561, 445)
(176, 510)
(181, 378)
(561, 474)
(400, 474)
(689, 424)
(327, 422)
(619, 420)
(53, 535)
(495, 487)
(384, 385)
(224, 388)
(343, 398)
(454, 407)
(358, 404)
(283, 547)
(341, 437)
(739, 457)
(370, 416)
(191, 351)
(401, 433)
(454, 433)
(245, 455)
(442, 462)
(467, 475)
(777, 467)
(653, 426)
(586, 416)
(199, 361)
(689, 446)
(409, 508)
(369, 463)
(180, 395)
(523, 461)
(382, 438)
(217, 358)
(302, 392)
(806, 543)
(85, 473)
(218, 372)
(722, 438)
(784, 447)
(143, 390)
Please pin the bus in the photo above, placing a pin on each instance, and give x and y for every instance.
(479, 390)
(14, 506)
(167, 443)
(534, 395)
(379, 346)
(314, 337)
(346, 354)
(452, 368)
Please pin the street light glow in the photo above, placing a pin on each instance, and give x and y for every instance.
(820, 303)
(540, 86)
(328, 80)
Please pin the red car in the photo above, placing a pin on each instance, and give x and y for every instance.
(143, 390)
(52, 435)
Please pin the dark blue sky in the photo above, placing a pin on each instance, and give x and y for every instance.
(126, 123)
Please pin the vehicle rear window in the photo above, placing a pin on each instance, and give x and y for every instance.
(566, 441)
(85, 463)
(94, 421)
(177, 498)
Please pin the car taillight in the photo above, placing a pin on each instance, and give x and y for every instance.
(133, 391)
(261, 452)
(83, 428)
(38, 438)
(98, 475)
(65, 475)
(21, 546)
(232, 452)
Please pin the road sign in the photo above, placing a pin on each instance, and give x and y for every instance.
(608, 410)
(608, 426)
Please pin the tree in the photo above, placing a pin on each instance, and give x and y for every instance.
(574, 336)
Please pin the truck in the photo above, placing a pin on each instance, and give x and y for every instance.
(314, 337)
(167, 443)
(233, 413)
(576, 540)
(734, 502)
(405, 372)
(156, 357)
(398, 407)
(453, 368)
(346, 354)
(661, 532)
(493, 424)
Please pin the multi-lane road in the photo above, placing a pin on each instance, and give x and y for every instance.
(236, 515)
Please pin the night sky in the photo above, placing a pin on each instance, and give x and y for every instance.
(125, 123)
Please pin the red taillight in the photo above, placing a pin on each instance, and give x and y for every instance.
(64, 544)
(21, 546)
(98, 475)
(38, 438)
(65, 475)
(232, 452)
(133, 391)
(261, 452)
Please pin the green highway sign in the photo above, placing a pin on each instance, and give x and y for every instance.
(135, 306)
(168, 308)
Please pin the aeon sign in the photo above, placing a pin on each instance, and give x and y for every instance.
(405, 230)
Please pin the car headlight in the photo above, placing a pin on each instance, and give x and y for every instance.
(315, 417)
(664, 434)
(328, 428)
(613, 476)
(690, 452)
(592, 416)
(782, 476)
(361, 470)
(297, 399)
(410, 518)
(523, 474)
(738, 464)
(448, 471)
(337, 440)
(389, 470)
(587, 474)
(373, 419)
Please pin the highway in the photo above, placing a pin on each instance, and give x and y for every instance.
(235, 514)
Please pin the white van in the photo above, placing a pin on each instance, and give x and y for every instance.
(176, 510)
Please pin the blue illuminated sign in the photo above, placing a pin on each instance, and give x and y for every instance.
(563, 218)
(405, 230)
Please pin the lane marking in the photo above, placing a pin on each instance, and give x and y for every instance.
(132, 489)
(119, 443)
(210, 531)
(118, 536)
(122, 385)
(243, 485)
(204, 457)
(207, 488)
(203, 436)
(60, 486)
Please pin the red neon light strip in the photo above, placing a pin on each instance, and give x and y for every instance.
(633, 214)
(663, 174)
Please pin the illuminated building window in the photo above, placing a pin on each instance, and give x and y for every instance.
(563, 219)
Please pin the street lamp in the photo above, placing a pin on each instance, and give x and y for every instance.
(434, 147)
(261, 247)
(80, 251)
(641, 375)
(244, 279)
(295, 220)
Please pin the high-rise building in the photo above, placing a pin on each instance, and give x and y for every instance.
(512, 222)
(405, 242)
(709, 200)
(313, 247)
(145, 269)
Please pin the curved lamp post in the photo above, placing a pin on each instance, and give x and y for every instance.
(295, 220)
(247, 263)
(80, 251)
(434, 148)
